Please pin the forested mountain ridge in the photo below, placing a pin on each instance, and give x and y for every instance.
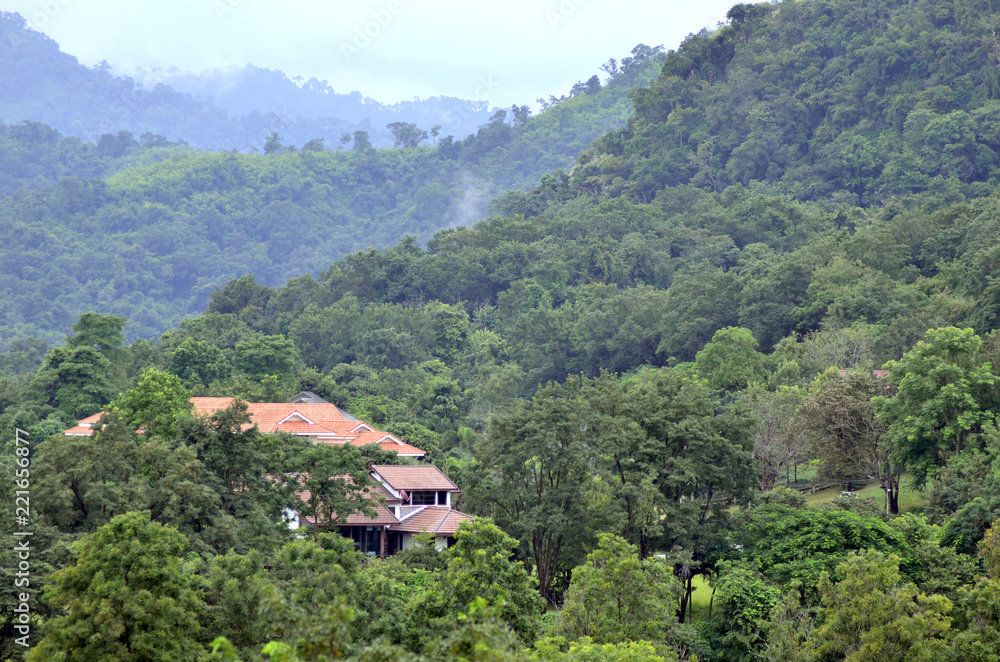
(856, 103)
(36, 75)
(154, 239)
(302, 106)
(239, 109)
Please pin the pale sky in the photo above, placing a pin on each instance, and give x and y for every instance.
(390, 50)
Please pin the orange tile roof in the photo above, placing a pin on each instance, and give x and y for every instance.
(210, 405)
(423, 477)
(441, 520)
(387, 443)
(323, 422)
(382, 514)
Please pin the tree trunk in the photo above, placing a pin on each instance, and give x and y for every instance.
(643, 545)
(543, 567)
(690, 592)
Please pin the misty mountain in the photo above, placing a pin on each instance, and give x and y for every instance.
(243, 91)
(236, 109)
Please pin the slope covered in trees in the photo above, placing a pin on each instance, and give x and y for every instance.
(148, 228)
(856, 103)
(621, 372)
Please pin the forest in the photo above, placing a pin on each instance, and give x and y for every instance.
(147, 227)
(726, 388)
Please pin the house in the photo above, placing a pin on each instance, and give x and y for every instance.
(307, 415)
(411, 500)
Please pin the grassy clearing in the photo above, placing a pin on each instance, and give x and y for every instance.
(908, 496)
(700, 598)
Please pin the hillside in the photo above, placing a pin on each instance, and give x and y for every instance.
(778, 277)
(154, 239)
(848, 103)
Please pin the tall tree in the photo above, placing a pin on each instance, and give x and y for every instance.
(777, 443)
(535, 475)
(848, 438)
(698, 471)
(940, 387)
(405, 134)
(75, 380)
(334, 481)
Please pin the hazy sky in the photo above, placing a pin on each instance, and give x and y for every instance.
(502, 52)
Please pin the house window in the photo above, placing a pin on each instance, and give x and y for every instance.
(367, 539)
(442, 499)
(422, 498)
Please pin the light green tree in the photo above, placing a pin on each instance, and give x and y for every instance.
(154, 404)
(872, 614)
(941, 385)
(481, 565)
(616, 597)
(730, 360)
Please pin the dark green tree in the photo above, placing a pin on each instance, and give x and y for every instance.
(535, 476)
(129, 596)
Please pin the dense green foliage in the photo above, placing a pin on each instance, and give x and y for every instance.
(780, 265)
(149, 229)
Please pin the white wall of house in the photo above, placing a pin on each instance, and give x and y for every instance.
(291, 519)
(293, 522)
(440, 542)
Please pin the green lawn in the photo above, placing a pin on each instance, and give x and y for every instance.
(700, 598)
(908, 496)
